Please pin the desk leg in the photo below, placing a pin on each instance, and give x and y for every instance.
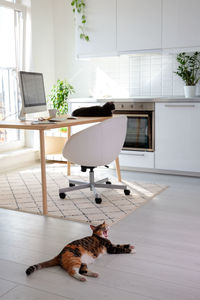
(118, 169)
(68, 162)
(43, 172)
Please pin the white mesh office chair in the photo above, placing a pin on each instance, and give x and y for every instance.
(95, 146)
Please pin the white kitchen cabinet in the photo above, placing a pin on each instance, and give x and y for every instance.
(138, 25)
(181, 23)
(101, 28)
(177, 136)
(136, 159)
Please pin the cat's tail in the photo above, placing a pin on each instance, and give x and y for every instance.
(46, 264)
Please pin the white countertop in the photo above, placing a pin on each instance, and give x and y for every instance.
(151, 99)
(136, 99)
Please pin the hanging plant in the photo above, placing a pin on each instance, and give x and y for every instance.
(79, 7)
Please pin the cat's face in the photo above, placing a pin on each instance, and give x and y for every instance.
(101, 230)
(110, 106)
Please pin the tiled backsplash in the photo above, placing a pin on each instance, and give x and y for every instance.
(135, 75)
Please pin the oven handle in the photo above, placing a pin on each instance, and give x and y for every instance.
(135, 115)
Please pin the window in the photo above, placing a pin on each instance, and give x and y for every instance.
(11, 53)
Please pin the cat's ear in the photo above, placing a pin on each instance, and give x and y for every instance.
(104, 223)
(92, 227)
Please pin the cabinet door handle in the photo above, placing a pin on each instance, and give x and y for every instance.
(133, 154)
(137, 154)
(179, 105)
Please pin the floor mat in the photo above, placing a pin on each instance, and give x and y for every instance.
(21, 190)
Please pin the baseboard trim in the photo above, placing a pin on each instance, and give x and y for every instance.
(159, 171)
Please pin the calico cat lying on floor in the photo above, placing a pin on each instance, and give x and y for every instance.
(75, 256)
(95, 111)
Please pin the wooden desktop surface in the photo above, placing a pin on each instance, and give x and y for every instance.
(17, 124)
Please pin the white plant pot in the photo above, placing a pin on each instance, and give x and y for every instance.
(190, 91)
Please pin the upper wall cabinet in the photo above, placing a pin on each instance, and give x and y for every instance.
(101, 28)
(181, 23)
(138, 25)
(125, 26)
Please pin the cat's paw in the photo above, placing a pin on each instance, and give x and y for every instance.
(92, 274)
(82, 279)
(79, 277)
(133, 251)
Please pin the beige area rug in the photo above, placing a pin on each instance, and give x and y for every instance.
(21, 190)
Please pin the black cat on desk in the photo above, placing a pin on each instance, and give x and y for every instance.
(95, 111)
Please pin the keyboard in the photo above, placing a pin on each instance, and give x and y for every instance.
(40, 122)
(62, 119)
(53, 120)
(58, 119)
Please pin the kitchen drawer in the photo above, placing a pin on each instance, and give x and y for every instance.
(136, 159)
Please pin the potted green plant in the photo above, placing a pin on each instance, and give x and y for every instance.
(188, 70)
(57, 99)
(59, 95)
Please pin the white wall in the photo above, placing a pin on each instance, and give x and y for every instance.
(42, 51)
(53, 45)
(43, 40)
(77, 72)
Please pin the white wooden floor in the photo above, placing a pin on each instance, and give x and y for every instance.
(165, 231)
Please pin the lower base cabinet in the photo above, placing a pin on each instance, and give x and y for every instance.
(177, 136)
(177, 139)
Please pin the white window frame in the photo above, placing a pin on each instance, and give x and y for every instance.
(17, 7)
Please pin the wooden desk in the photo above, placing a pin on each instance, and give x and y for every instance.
(16, 124)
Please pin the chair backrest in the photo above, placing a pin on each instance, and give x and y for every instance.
(97, 145)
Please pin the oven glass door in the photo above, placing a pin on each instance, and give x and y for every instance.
(139, 132)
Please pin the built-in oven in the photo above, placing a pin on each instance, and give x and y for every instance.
(140, 124)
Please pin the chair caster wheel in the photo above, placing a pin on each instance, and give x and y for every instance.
(62, 195)
(98, 200)
(71, 184)
(108, 182)
(127, 192)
